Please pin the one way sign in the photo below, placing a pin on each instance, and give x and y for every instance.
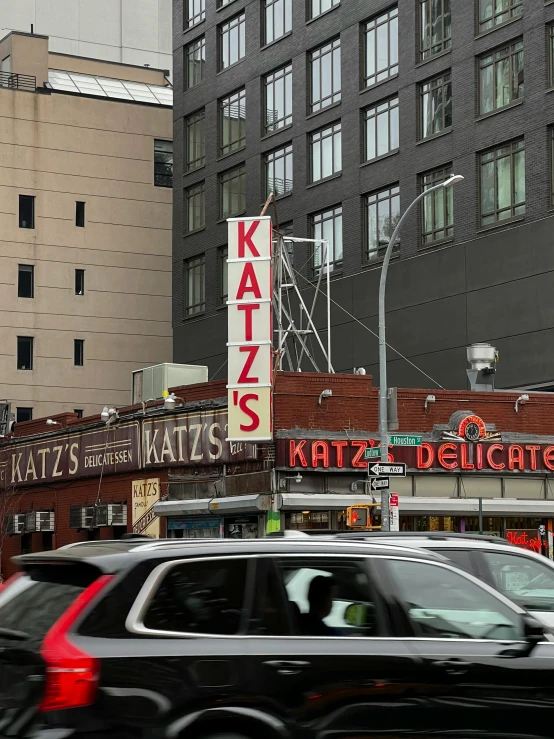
(392, 470)
(379, 483)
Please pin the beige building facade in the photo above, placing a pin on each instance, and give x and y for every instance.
(85, 228)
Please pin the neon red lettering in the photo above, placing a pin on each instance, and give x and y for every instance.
(297, 450)
(339, 446)
(320, 452)
(448, 459)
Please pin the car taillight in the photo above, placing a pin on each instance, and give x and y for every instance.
(71, 674)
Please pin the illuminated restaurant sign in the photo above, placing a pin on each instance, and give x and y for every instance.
(321, 454)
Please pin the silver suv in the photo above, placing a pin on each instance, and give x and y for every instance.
(525, 577)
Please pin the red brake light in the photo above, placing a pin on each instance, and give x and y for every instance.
(71, 674)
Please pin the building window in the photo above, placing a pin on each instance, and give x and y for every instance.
(277, 19)
(278, 171)
(436, 105)
(552, 169)
(222, 271)
(325, 80)
(435, 27)
(25, 352)
(437, 210)
(195, 207)
(195, 12)
(382, 211)
(195, 60)
(232, 122)
(232, 191)
(23, 414)
(163, 163)
(78, 352)
(194, 286)
(26, 211)
(196, 140)
(223, 3)
(26, 281)
(495, 12)
(232, 41)
(381, 47)
(501, 77)
(78, 412)
(325, 152)
(79, 282)
(278, 99)
(327, 225)
(381, 129)
(317, 7)
(502, 183)
(551, 55)
(80, 214)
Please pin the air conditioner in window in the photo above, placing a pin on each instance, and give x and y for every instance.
(117, 514)
(30, 522)
(87, 517)
(19, 523)
(101, 516)
(45, 521)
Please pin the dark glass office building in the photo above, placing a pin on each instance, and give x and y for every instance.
(346, 110)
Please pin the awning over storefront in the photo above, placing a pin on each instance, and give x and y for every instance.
(220, 506)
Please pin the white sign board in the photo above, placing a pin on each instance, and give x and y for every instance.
(250, 329)
(394, 513)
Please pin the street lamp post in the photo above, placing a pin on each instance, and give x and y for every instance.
(383, 390)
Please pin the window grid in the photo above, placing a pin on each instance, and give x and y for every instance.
(79, 282)
(325, 76)
(23, 414)
(382, 213)
(495, 12)
(163, 163)
(278, 171)
(195, 207)
(195, 60)
(196, 141)
(318, 7)
(223, 281)
(232, 191)
(502, 183)
(232, 122)
(381, 47)
(501, 77)
(436, 105)
(223, 3)
(232, 41)
(26, 211)
(196, 12)
(194, 286)
(381, 129)
(327, 224)
(551, 54)
(278, 99)
(80, 214)
(277, 19)
(326, 152)
(437, 210)
(79, 352)
(435, 27)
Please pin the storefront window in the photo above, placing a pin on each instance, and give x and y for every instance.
(302, 520)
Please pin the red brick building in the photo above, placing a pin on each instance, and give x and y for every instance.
(172, 472)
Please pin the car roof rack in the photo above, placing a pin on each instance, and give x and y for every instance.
(434, 535)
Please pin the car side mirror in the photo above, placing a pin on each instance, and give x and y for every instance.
(533, 632)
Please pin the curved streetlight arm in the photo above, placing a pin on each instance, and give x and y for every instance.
(383, 390)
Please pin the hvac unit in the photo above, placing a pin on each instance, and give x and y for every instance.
(150, 383)
(101, 516)
(45, 521)
(18, 526)
(30, 522)
(117, 514)
(81, 517)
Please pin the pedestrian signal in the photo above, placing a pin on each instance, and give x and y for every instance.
(358, 516)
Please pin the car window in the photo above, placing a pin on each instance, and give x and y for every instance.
(271, 615)
(328, 597)
(528, 582)
(200, 597)
(460, 557)
(446, 604)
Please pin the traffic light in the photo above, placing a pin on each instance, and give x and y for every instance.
(358, 516)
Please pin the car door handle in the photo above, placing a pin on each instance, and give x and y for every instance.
(287, 667)
(454, 666)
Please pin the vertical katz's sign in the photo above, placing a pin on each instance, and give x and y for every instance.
(250, 331)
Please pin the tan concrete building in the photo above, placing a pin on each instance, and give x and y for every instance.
(85, 227)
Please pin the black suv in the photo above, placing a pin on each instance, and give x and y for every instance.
(265, 638)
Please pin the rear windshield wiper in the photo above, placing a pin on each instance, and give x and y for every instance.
(13, 634)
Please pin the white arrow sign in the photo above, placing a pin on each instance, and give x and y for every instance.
(379, 483)
(392, 470)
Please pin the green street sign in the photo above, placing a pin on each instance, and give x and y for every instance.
(373, 452)
(406, 440)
